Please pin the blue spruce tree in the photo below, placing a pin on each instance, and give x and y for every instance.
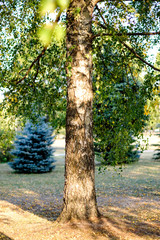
(33, 149)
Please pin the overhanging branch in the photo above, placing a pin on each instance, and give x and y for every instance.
(38, 57)
(139, 57)
(32, 64)
(126, 45)
(124, 33)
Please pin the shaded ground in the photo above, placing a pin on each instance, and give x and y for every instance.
(130, 203)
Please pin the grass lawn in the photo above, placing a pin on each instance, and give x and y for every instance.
(130, 203)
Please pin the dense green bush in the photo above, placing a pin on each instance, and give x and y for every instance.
(119, 102)
(7, 134)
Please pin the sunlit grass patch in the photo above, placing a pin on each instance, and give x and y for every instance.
(129, 201)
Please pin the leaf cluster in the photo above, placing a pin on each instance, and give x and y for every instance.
(7, 134)
(119, 102)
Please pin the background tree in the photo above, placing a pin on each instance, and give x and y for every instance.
(28, 73)
(33, 149)
(152, 106)
(118, 91)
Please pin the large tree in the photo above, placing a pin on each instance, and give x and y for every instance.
(34, 73)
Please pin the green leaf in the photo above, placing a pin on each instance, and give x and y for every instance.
(63, 4)
(45, 34)
(59, 32)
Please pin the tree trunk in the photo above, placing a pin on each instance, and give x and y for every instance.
(79, 191)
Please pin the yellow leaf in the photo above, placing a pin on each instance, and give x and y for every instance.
(63, 4)
(59, 32)
(47, 6)
(137, 15)
(45, 34)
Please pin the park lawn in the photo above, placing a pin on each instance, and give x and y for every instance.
(130, 203)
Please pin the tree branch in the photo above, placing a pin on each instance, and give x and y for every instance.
(32, 64)
(37, 70)
(39, 56)
(139, 57)
(126, 45)
(124, 33)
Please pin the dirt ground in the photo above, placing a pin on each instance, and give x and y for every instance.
(125, 217)
(17, 224)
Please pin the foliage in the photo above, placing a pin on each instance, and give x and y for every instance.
(7, 134)
(153, 104)
(154, 109)
(44, 88)
(41, 84)
(119, 102)
(33, 149)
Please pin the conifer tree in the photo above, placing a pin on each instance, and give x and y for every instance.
(33, 149)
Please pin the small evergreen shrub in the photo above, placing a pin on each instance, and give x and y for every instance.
(33, 149)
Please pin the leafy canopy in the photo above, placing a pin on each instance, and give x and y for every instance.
(33, 57)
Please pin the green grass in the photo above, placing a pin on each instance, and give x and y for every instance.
(136, 179)
(10, 181)
(136, 187)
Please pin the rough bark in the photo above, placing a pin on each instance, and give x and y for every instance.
(79, 191)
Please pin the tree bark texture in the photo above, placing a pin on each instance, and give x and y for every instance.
(79, 191)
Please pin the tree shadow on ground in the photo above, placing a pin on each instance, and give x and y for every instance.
(115, 229)
(118, 221)
(136, 226)
(50, 211)
(115, 224)
(4, 237)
